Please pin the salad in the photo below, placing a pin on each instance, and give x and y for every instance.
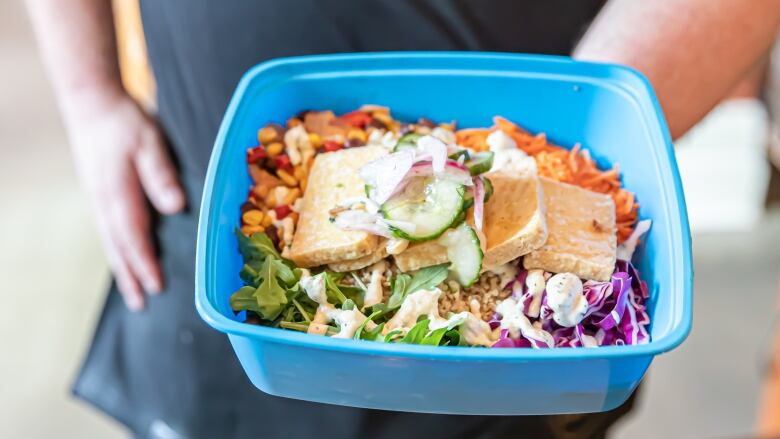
(365, 227)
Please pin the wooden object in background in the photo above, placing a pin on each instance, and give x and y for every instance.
(137, 76)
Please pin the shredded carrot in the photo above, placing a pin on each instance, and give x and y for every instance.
(573, 166)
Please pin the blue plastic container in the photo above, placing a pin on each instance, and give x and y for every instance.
(610, 110)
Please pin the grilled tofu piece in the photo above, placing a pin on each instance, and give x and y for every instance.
(421, 255)
(365, 261)
(334, 177)
(514, 216)
(581, 237)
(514, 222)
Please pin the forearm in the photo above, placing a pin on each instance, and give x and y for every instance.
(78, 47)
(693, 51)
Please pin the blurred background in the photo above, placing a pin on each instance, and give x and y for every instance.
(53, 273)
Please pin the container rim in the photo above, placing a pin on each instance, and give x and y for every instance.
(680, 229)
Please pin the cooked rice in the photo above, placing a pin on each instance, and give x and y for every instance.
(484, 294)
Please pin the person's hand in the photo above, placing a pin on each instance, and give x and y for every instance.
(120, 157)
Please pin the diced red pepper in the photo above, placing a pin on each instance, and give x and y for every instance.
(282, 161)
(282, 211)
(331, 145)
(357, 119)
(255, 155)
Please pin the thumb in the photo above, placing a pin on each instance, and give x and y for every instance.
(158, 175)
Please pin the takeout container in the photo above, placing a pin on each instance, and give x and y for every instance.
(611, 110)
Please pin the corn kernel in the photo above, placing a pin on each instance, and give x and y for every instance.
(383, 117)
(288, 179)
(294, 216)
(261, 191)
(275, 149)
(291, 196)
(357, 134)
(268, 220)
(315, 140)
(252, 217)
(302, 184)
(267, 135)
(270, 199)
(299, 172)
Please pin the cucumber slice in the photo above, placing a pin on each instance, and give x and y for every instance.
(464, 253)
(430, 203)
(408, 140)
(480, 162)
(458, 154)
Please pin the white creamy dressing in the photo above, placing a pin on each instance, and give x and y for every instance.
(348, 320)
(386, 139)
(535, 283)
(506, 272)
(625, 251)
(506, 153)
(514, 320)
(374, 287)
(396, 246)
(445, 136)
(589, 341)
(421, 302)
(565, 298)
(426, 303)
(298, 145)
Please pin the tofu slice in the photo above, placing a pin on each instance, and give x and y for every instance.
(333, 178)
(582, 237)
(421, 255)
(514, 222)
(365, 261)
(514, 216)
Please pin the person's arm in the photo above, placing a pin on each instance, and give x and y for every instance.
(119, 153)
(693, 51)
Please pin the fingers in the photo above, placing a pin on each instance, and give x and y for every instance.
(129, 228)
(157, 174)
(126, 282)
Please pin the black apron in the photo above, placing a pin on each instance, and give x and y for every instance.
(165, 373)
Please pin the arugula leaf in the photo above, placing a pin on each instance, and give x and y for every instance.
(359, 331)
(301, 310)
(304, 327)
(359, 282)
(248, 274)
(244, 300)
(417, 333)
(332, 288)
(255, 247)
(392, 334)
(434, 338)
(399, 290)
(428, 278)
(284, 272)
(454, 338)
(271, 297)
(373, 334)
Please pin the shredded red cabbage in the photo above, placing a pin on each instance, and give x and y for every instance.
(617, 313)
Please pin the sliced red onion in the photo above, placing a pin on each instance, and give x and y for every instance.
(386, 173)
(479, 202)
(436, 149)
(362, 221)
(404, 226)
(348, 203)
